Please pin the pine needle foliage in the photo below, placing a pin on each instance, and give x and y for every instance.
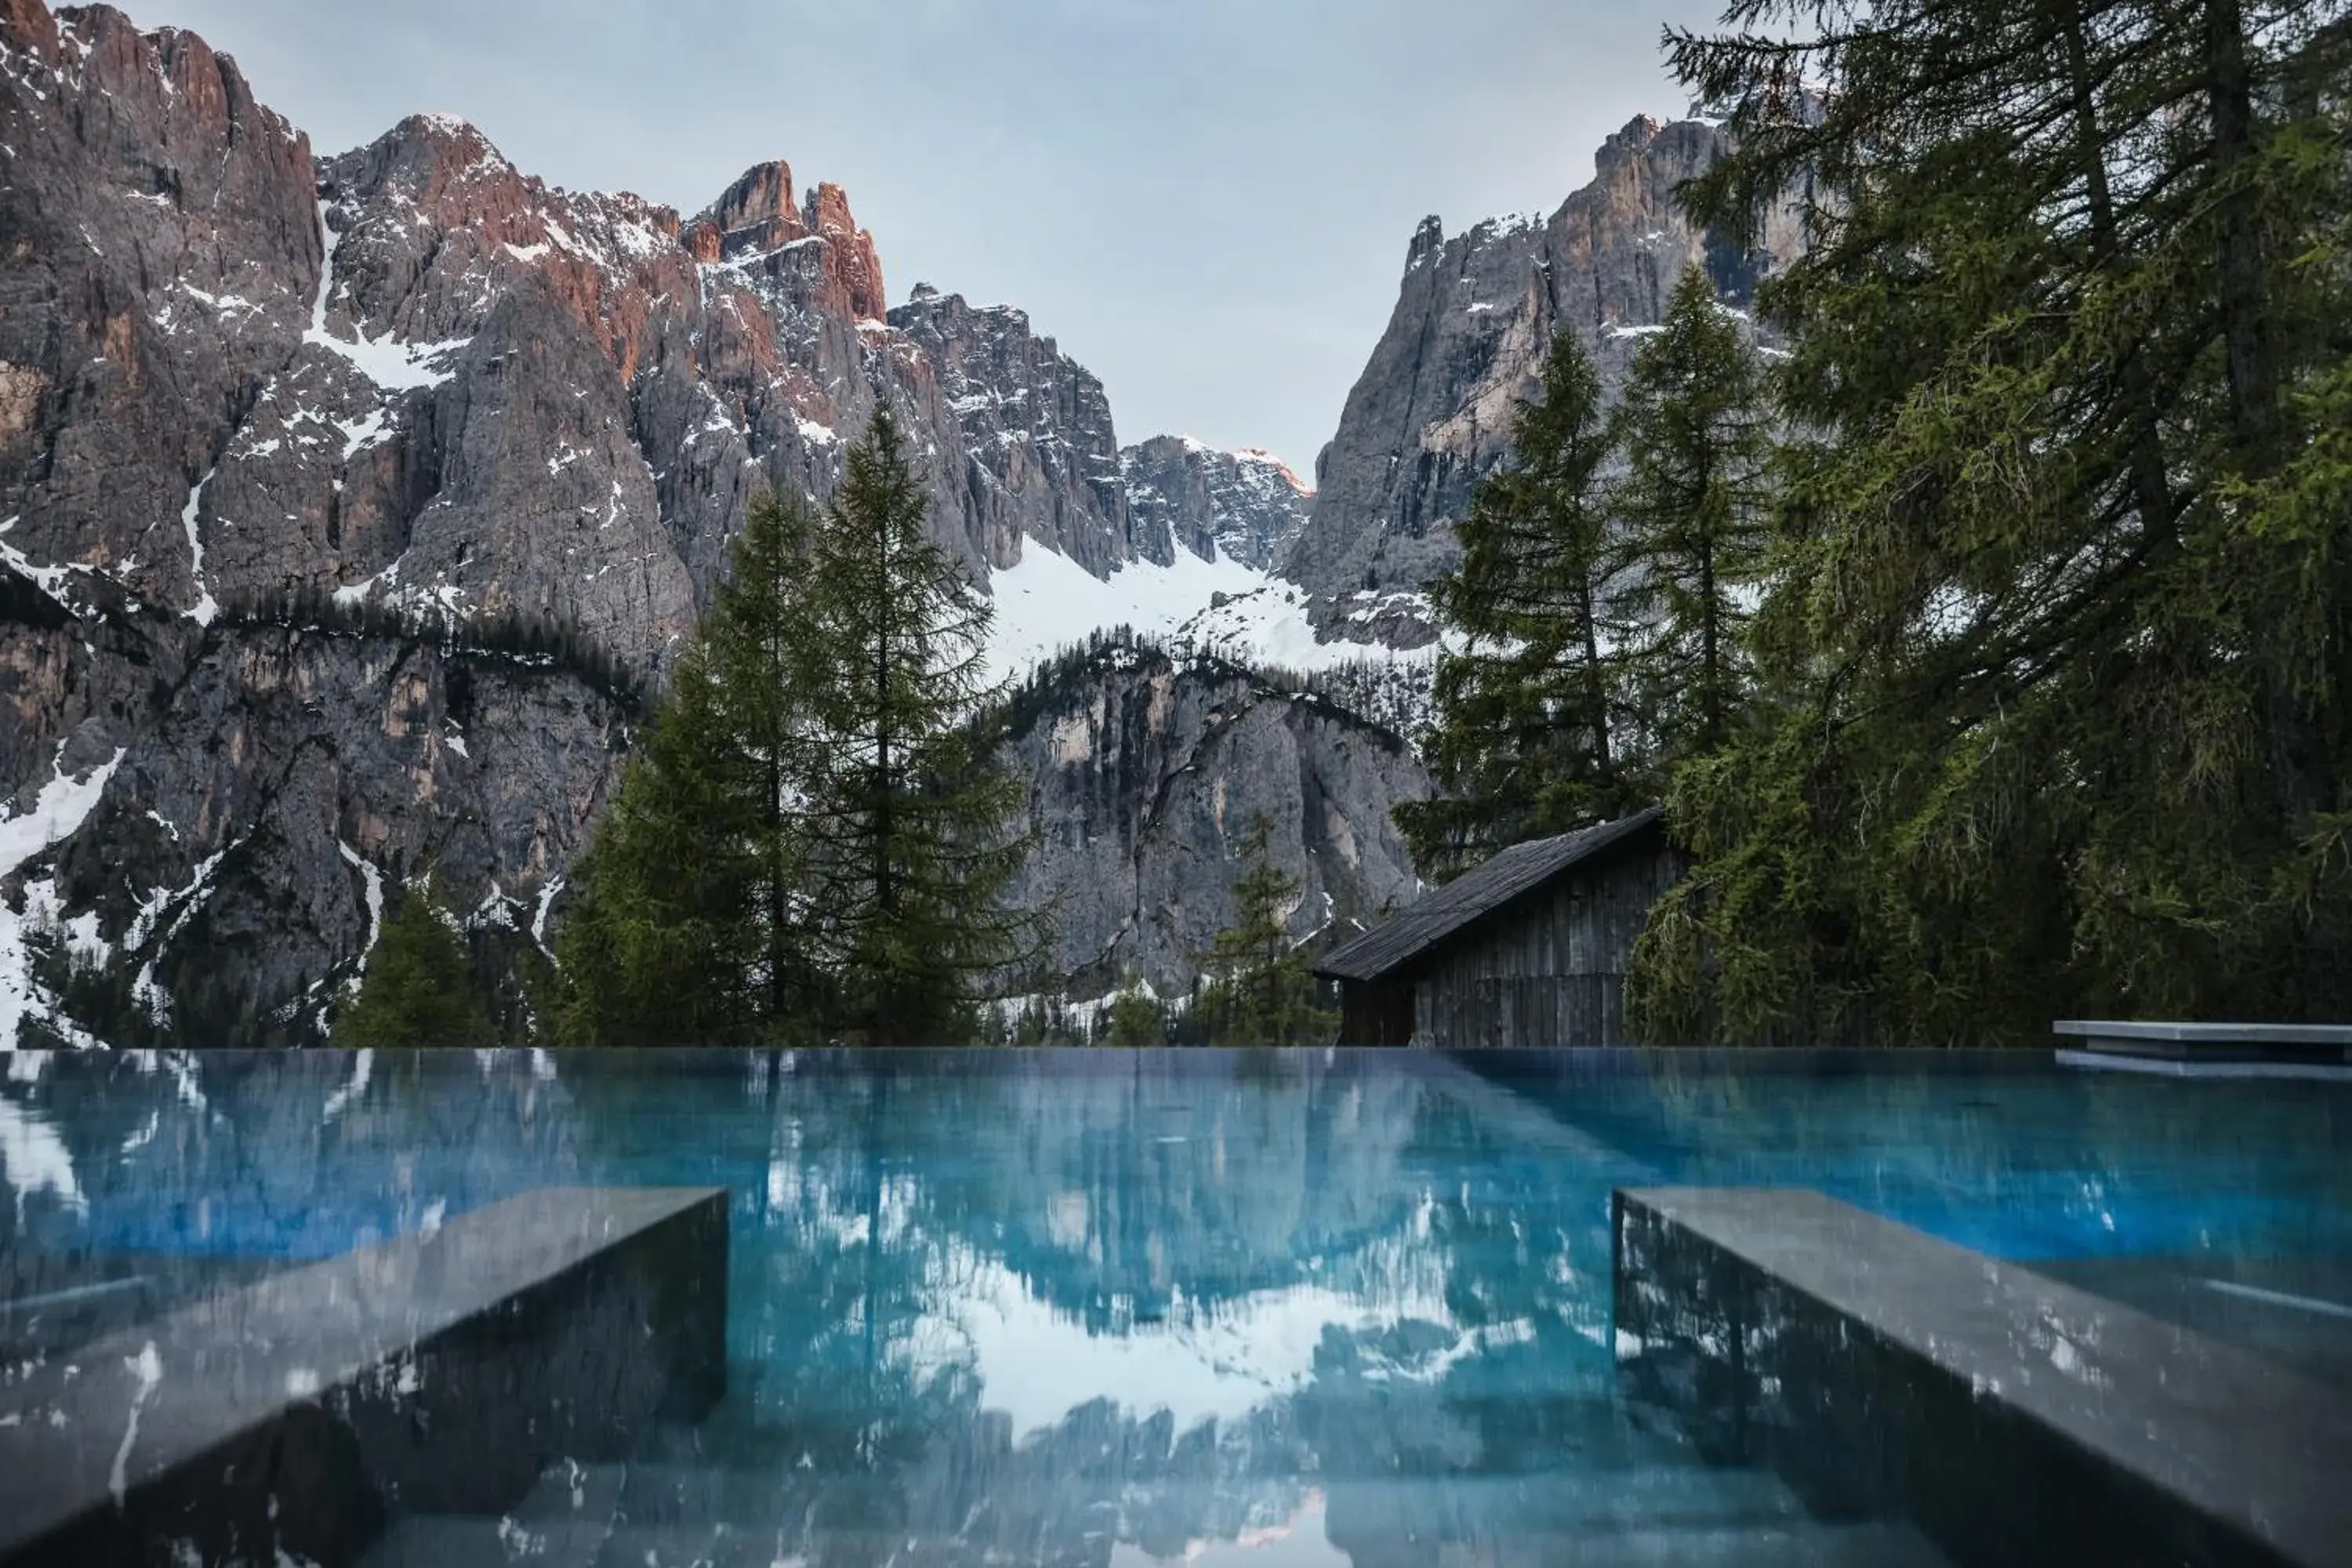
(1688, 553)
(418, 987)
(1132, 1018)
(1260, 990)
(1524, 741)
(813, 842)
(907, 807)
(2054, 674)
(684, 924)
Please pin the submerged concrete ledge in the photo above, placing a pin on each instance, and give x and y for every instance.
(436, 1372)
(2017, 1419)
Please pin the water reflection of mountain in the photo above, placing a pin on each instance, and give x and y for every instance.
(1154, 1301)
(1049, 1306)
(288, 1155)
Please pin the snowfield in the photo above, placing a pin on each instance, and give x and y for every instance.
(1046, 603)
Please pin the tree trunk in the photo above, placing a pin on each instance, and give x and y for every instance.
(2151, 490)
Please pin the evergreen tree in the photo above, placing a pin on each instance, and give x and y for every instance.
(1523, 745)
(907, 809)
(1693, 529)
(1132, 1018)
(685, 922)
(1260, 992)
(816, 838)
(418, 987)
(2057, 714)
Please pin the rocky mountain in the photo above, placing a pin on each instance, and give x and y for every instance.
(1149, 768)
(350, 509)
(1242, 506)
(1042, 459)
(1431, 414)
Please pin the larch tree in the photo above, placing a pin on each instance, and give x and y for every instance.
(1526, 742)
(1260, 992)
(685, 925)
(1132, 1018)
(1687, 556)
(909, 811)
(813, 843)
(2057, 700)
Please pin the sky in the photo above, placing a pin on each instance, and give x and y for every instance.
(1205, 202)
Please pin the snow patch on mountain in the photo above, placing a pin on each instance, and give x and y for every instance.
(1271, 625)
(394, 366)
(1209, 609)
(1046, 602)
(64, 804)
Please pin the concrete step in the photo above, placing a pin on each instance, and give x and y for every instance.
(687, 1513)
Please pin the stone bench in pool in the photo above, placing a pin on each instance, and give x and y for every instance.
(2016, 1419)
(280, 1420)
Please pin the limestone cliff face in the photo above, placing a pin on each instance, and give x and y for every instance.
(1238, 506)
(1039, 458)
(1475, 314)
(347, 507)
(1148, 771)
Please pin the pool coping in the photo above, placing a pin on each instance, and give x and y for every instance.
(1991, 1355)
(285, 1415)
(2222, 1042)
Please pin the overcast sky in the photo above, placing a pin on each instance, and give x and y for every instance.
(1206, 202)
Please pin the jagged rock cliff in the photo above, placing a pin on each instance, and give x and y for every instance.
(1042, 457)
(1432, 413)
(1241, 506)
(349, 508)
(1149, 769)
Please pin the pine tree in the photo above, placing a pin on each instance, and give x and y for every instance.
(1693, 529)
(1133, 1017)
(1524, 743)
(2057, 714)
(1260, 992)
(816, 839)
(685, 925)
(418, 986)
(907, 809)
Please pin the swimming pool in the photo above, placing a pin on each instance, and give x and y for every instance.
(1119, 1308)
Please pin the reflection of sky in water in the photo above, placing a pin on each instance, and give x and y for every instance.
(1225, 1307)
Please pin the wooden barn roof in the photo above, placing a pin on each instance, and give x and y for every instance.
(1436, 916)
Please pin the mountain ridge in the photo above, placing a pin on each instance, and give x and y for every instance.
(1431, 413)
(505, 430)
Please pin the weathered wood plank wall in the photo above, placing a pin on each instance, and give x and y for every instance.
(1551, 971)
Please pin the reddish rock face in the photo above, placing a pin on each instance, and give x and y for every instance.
(851, 255)
(757, 212)
(26, 25)
(704, 241)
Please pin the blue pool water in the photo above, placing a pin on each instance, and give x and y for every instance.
(1106, 1308)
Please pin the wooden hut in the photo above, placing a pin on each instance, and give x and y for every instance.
(1529, 949)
